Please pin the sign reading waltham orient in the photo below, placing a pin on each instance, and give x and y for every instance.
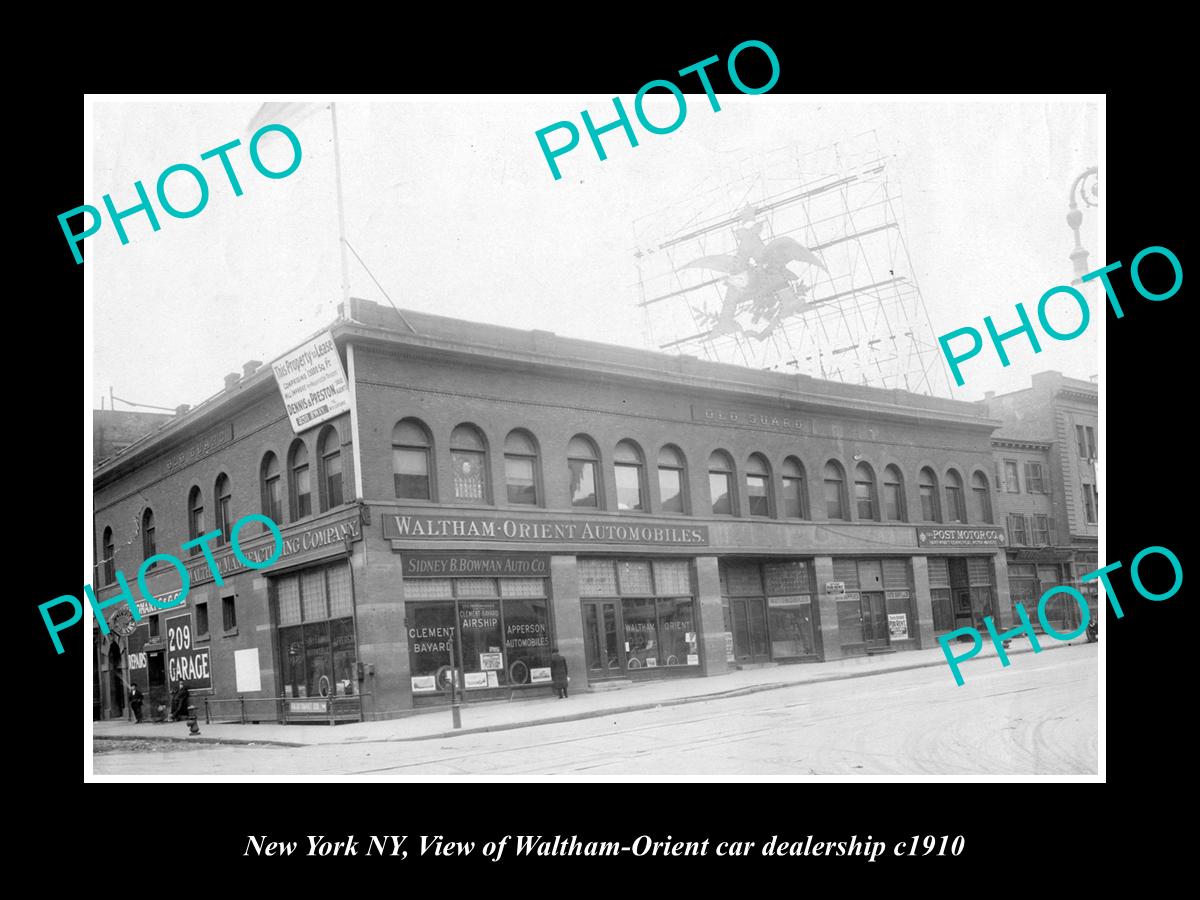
(312, 382)
(560, 531)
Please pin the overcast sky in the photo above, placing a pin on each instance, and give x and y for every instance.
(452, 206)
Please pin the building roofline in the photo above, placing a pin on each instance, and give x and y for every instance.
(516, 348)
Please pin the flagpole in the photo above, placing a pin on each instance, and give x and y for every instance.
(337, 174)
(355, 444)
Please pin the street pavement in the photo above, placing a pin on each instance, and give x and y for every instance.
(1038, 716)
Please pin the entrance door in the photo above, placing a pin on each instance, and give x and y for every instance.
(874, 617)
(116, 681)
(601, 629)
(749, 617)
(156, 696)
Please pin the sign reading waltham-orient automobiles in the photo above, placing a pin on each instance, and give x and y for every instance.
(502, 528)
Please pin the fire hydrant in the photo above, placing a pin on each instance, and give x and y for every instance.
(193, 726)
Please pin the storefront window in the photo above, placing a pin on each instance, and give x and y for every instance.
(503, 631)
(676, 630)
(641, 633)
(526, 637)
(791, 623)
(314, 614)
(657, 625)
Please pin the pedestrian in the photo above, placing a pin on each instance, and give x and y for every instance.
(558, 674)
(179, 705)
(135, 703)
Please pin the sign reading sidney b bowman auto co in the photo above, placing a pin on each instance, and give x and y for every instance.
(312, 382)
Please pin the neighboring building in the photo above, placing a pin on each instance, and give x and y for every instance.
(1046, 454)
(114, 431)
(652, 516)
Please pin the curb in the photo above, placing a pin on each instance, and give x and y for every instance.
(192, 739)
(579, 716)
(677, 701)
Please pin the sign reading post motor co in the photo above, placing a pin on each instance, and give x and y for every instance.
(961, 536)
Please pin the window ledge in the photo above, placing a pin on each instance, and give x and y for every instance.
(207, 636)
(232, 632)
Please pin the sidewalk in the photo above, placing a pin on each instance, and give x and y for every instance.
(582, 704)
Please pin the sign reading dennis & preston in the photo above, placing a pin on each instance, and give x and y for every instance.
(559, 531)
(312, 382)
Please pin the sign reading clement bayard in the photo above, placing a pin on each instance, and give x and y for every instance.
(312, 382)
(560, 531)
(961, 536)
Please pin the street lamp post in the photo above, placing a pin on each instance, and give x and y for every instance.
(1089, 192)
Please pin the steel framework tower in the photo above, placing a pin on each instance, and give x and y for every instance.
(793, 262)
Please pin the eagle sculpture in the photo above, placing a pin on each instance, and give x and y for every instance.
(758, 275)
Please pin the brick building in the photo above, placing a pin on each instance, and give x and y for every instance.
(1046, 477)
(652, 516)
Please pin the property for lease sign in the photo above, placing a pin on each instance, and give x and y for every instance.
(312, 382)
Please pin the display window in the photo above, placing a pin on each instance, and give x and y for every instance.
(314, 620)
(638, 614)
(497, 630)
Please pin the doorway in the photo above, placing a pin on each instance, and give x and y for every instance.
(749, 620)
(157, 694)
(116, 681)
(601, 629)
(875, 620)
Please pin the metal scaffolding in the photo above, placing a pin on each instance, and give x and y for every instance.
(719, 279)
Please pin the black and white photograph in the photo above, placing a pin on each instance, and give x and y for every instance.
(705, 433)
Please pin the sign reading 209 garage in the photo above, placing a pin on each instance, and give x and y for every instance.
(185, 661)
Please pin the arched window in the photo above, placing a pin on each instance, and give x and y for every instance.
(927, 484)
(107, 551)
(983, 497)
(224, 497)
(331, 469)
(468, 464)
(835, 490)
(627, 467)
(272, 493)
(671, 479)
(582, 464)
(520, 467)
(195, 517)
(795, 489)
(758, 485)
(893, 495)
(720, 483)
(410, 460)
(149, 545)
(956, 510)
(864, 492)
(301, 487)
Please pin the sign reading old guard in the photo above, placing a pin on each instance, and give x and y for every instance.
(312, 382)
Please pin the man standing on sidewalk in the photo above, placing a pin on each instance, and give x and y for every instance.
(558, 673)
(135, 703)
